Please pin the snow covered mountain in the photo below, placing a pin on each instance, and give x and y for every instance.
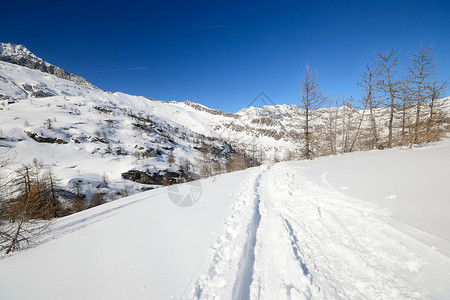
(120, 142)
(366, 225)
(87, 135)
(20, 55)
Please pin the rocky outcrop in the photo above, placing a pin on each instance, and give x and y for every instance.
(158, 178)
(43, 139)
(20, 55)
(200, 107)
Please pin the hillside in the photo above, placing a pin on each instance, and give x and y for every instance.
(85, 133)
(363, 225)
(118, 144)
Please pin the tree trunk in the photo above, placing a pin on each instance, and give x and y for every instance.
(15, 239)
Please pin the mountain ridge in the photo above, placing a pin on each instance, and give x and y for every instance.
(20, 55)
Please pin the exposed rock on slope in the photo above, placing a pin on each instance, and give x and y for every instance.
(20, 55)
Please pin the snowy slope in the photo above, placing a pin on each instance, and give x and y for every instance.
(95, 126)
(138, 247)
(19, 83)
(106, 134)
(294, 230)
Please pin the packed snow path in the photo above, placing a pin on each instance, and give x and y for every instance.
(289, 238)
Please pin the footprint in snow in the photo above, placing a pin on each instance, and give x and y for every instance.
(343, 188)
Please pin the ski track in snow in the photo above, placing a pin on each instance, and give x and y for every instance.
(288, 238)
(229, 274)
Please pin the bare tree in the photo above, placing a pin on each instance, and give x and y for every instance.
(23, 212)
(171, 157)
(253, 150)
(186, 165)
(354, 136)
(346, 125)
(421, 69)
(78, 204)
(332, 120)
(206, 167)
(50, 194)
(289, 155)
(387, 66)
(237, 161)
(437, 114)
(404, 107)
(105, 180)
(311, 100)
(262, 155)
(5, 175)
(370, 101)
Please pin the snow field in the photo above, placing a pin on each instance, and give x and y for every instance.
(138, 247)
(335, 248)
(303, 241)
(281, 231)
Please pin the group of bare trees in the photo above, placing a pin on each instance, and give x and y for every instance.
(217, 160)
(28, 200)
(398, 107)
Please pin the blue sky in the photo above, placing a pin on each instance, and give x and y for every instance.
(224, 53)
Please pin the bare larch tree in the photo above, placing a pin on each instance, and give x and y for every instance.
(311, 100)
(437, 113)
(387, 65)
(420, 71)
(370, 101)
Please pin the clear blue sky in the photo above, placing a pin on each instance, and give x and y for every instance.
(223, 53)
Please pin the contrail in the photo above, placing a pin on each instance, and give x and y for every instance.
(211, 27)
(116, 70)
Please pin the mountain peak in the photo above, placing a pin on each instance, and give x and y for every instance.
(10, 49)
(20, 55)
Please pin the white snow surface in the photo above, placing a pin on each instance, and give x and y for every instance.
(369, 225)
